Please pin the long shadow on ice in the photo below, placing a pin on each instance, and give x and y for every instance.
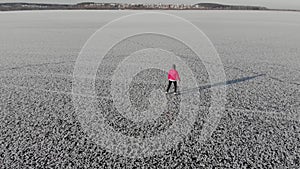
(229, 82)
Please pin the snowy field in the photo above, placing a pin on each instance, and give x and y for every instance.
(260, 126)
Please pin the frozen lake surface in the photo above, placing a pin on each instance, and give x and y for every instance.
(261, 123)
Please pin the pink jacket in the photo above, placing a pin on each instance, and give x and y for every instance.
(173, 75)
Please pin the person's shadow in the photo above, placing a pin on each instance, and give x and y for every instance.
(229, 82)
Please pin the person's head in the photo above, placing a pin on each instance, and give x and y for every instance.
(174, 66)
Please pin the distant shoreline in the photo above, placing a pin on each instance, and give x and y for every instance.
(124, 6)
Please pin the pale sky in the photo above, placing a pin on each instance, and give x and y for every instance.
(278, 4)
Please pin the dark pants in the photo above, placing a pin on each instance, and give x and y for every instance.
(175, 85)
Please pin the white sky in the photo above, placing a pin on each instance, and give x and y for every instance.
(282, 4)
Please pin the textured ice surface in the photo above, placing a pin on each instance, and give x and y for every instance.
(40, 129)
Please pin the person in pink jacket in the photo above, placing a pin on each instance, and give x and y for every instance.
(173, 77)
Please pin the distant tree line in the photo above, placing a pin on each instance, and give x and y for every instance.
(92, 5)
